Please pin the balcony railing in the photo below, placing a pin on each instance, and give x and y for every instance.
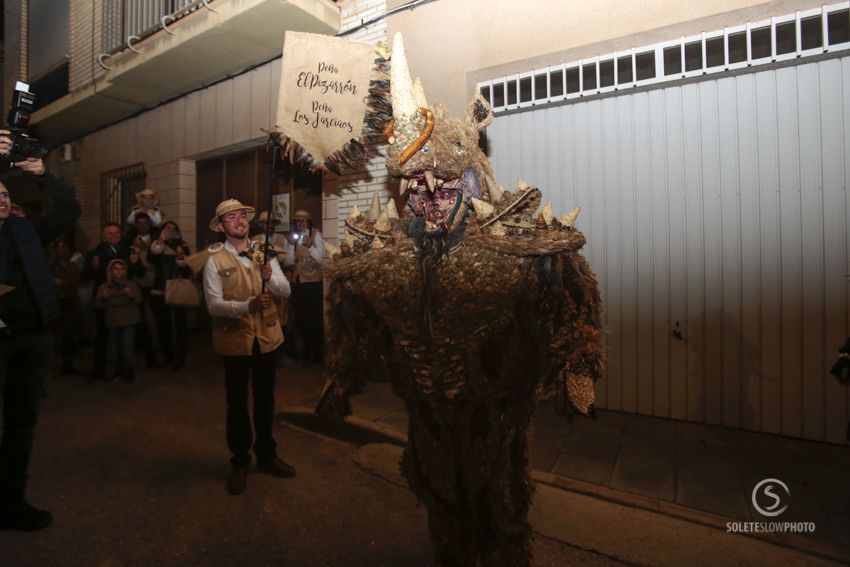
(126, 22)
(801, 34)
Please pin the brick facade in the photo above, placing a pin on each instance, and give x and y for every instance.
(357, 187)
(85, 44)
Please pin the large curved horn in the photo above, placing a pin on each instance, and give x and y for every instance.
(401, 85)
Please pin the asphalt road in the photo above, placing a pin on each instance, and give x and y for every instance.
(134, 475)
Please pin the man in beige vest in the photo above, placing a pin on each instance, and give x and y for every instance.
(305, 252)
(238, 289)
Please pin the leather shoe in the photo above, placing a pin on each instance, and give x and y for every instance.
(22, 517)
(276, 467)
(238, 481)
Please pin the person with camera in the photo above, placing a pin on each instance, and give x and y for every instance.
(238, 285)
(94, 269)
(27, 310)
(119, 300)
(277, 249)
(66, 278)
(305, 252)
(139, 237)
(168, 256)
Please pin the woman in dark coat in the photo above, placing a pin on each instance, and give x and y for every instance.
(168, 256)
(66, 278)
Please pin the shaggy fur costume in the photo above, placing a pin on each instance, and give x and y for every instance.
(470, 344)
(473, 323)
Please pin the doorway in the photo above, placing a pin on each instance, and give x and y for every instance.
(245, 176)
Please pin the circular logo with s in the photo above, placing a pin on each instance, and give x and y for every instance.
(774, 493)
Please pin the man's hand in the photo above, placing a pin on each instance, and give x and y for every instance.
(266, 272)
(260, 303)
(5, 143)
(95, 262)
(32, 165)
(307, 241)
(127, 291)
(134, 255)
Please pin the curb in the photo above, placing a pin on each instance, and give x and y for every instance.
(796, 542)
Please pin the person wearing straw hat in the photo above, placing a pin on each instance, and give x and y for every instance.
(238, 285)
(277, 249)
(277, 242)
(305, 252)
(146, 202)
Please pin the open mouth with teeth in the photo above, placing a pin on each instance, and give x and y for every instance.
(434, 199)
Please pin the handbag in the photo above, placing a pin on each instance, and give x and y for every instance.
(182, 292)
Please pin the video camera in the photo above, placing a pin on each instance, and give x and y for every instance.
(18, 121)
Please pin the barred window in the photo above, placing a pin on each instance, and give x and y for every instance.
(118, 190)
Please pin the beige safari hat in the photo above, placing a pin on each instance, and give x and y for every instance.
(301, 214)
(264, 217)
(229, 206)
(147, 192)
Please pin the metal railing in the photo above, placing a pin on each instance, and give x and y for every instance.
(126, 22)
(801, 34)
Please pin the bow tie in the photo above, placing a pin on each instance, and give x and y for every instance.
(246, 254)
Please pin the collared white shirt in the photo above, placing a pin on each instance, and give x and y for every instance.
(220, 307)
(317, 250)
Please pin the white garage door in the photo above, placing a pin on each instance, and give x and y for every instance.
(716, 214)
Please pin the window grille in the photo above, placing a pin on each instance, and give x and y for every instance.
(118, 190)
(801, 34)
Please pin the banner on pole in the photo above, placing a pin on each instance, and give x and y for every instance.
(324, 83)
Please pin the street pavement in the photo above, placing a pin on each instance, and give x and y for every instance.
(134, 474)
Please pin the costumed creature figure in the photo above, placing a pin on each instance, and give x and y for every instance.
(477, 305)
(146, 202)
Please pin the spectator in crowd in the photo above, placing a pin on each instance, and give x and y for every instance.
(277, 249)
(66, 278)
(119, 299)
(147, 203)
(139, 237)
(27, 309)
(168, 257)
(305, 252)
(94, 269)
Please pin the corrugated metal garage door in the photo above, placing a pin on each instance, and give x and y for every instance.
(716, 214)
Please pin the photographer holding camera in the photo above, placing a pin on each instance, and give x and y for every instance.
(305, 252)
(168, 256)
(26, 341)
